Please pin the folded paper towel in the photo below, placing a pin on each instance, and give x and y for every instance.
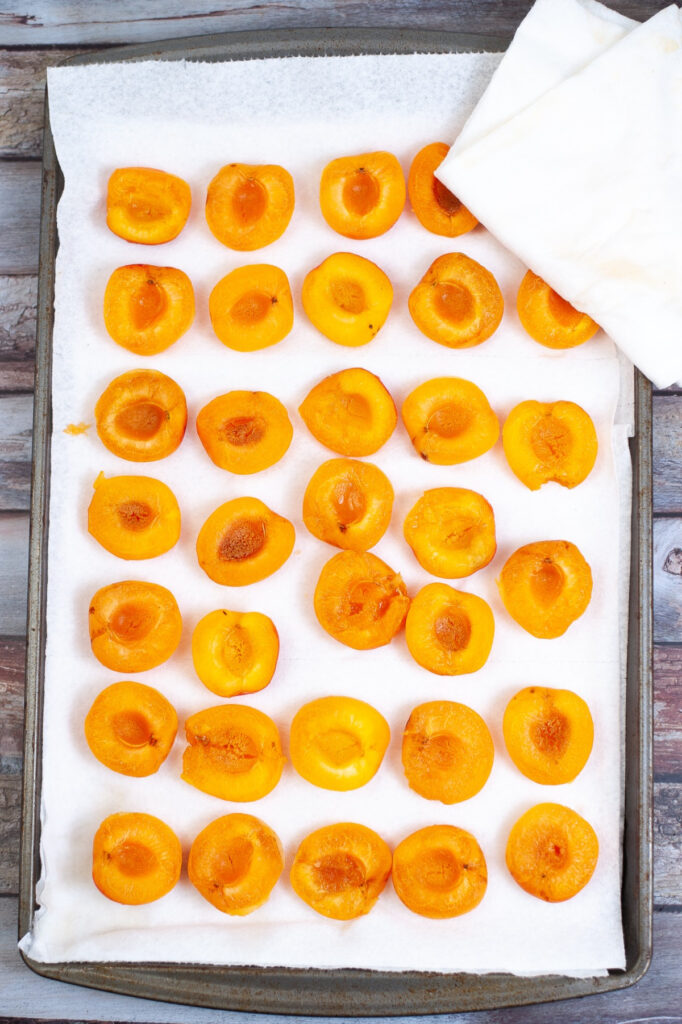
(573, 159)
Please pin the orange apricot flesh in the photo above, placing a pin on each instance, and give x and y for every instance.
(347, 298)
(549, 441)
(338, 742)
(451, 531)
(552, 852)
(348, 504)
(243, 542)
(350, 412)
(251, 307)
(449, 421)
(147, 309)
(448, 631)
(447, 751)
(435, 206)
(249, 206)
(141, 416)
(136, 858)
(134, 626)
(546, 586)
(341, 870)
(245, 431)
(235, 863)
(457, 303)
(146, 205)
(134, 516)
(440, 872)
(234, 753)
(360, 601)
(548, 318)
(362, 196)
(548, 734)
(235, 652)
(130, 728)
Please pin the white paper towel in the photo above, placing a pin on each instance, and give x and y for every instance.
(191, 119)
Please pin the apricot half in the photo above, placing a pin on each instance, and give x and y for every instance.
(243, 542)
(136, 858)
(235, 863)
(447, 751)
(548, 734)
(548, 318)
(440, 872)
(436, 208)
(234, 753)
(134, 626)
(554, 441)
(360, 601)
(546, 586)
(449, 421)
(338, 742)
(141, 416)
(245, 431)
(146, 205)
(457, 303)
(341, 870)
(235, 652)
(451, 531)
(449, 632)
(348, 503)
(130, 728)
(347, 298)
(146, 309)
(362, 196)
(133, 516)
(251, 307)
(552, 852)
(350, 412)
(249, 206)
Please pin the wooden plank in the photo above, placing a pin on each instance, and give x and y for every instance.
(10, 817)
(18, 298)
(667, 454)
(16, 423)
(19, 216)
(13, 574)
(668, 843)
(22, 100)
(668, 710)
(668, 580)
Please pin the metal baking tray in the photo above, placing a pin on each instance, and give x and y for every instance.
(345, 993)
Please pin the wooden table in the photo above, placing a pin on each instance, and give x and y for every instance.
(35, 36)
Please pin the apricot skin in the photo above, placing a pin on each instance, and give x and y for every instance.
(235, 652)
(457, 303)
(436, 208)
(546, 586)
(130, 728)
(552, 852)
(141, 416)
(134, 626)
(362, 196)
(549, 319)
(360, 601)
(244, 542)
(449, 421)
(348, 504)
(440, 872)
(553, 441)
(251, 307)
(548, 734)
(451, 531)
(136, 858)
(447, 751)
(146, 205)
(347, 298)
(147, 309)
(350, 412)
(245, 431)
(338, 742)
(249, 206)
(448, 631)
(134, 517)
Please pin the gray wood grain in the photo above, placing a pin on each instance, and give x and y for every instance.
(22, 100)
(16, 422)
(668, 454)
(13, 574)
(18, 297)
(19, 216)
(668, 580)
(668, 711)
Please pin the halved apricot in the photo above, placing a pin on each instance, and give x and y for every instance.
(449, 632)
(451, 531)
(146, 205)
(245, 431)
(249, 206)
(341, 870)
(347, 298)
(130, 728)
(362, 196)
(134, 626)
(235, 652)
(437, 209)
(133, 516)
(338, 742)
(251, 307)
(457, 303)
(360, 601)
(548, 318)
(348, 503)
(141, 416)
(548, 734)
(235, 863)
(549, 441)
(449, 421)
(440, 872)
(546, 586)
(350, 412)
(136, 858)
(447, 751)
(234, 753)
(146, 309)
(244, 541)
(552, 852)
